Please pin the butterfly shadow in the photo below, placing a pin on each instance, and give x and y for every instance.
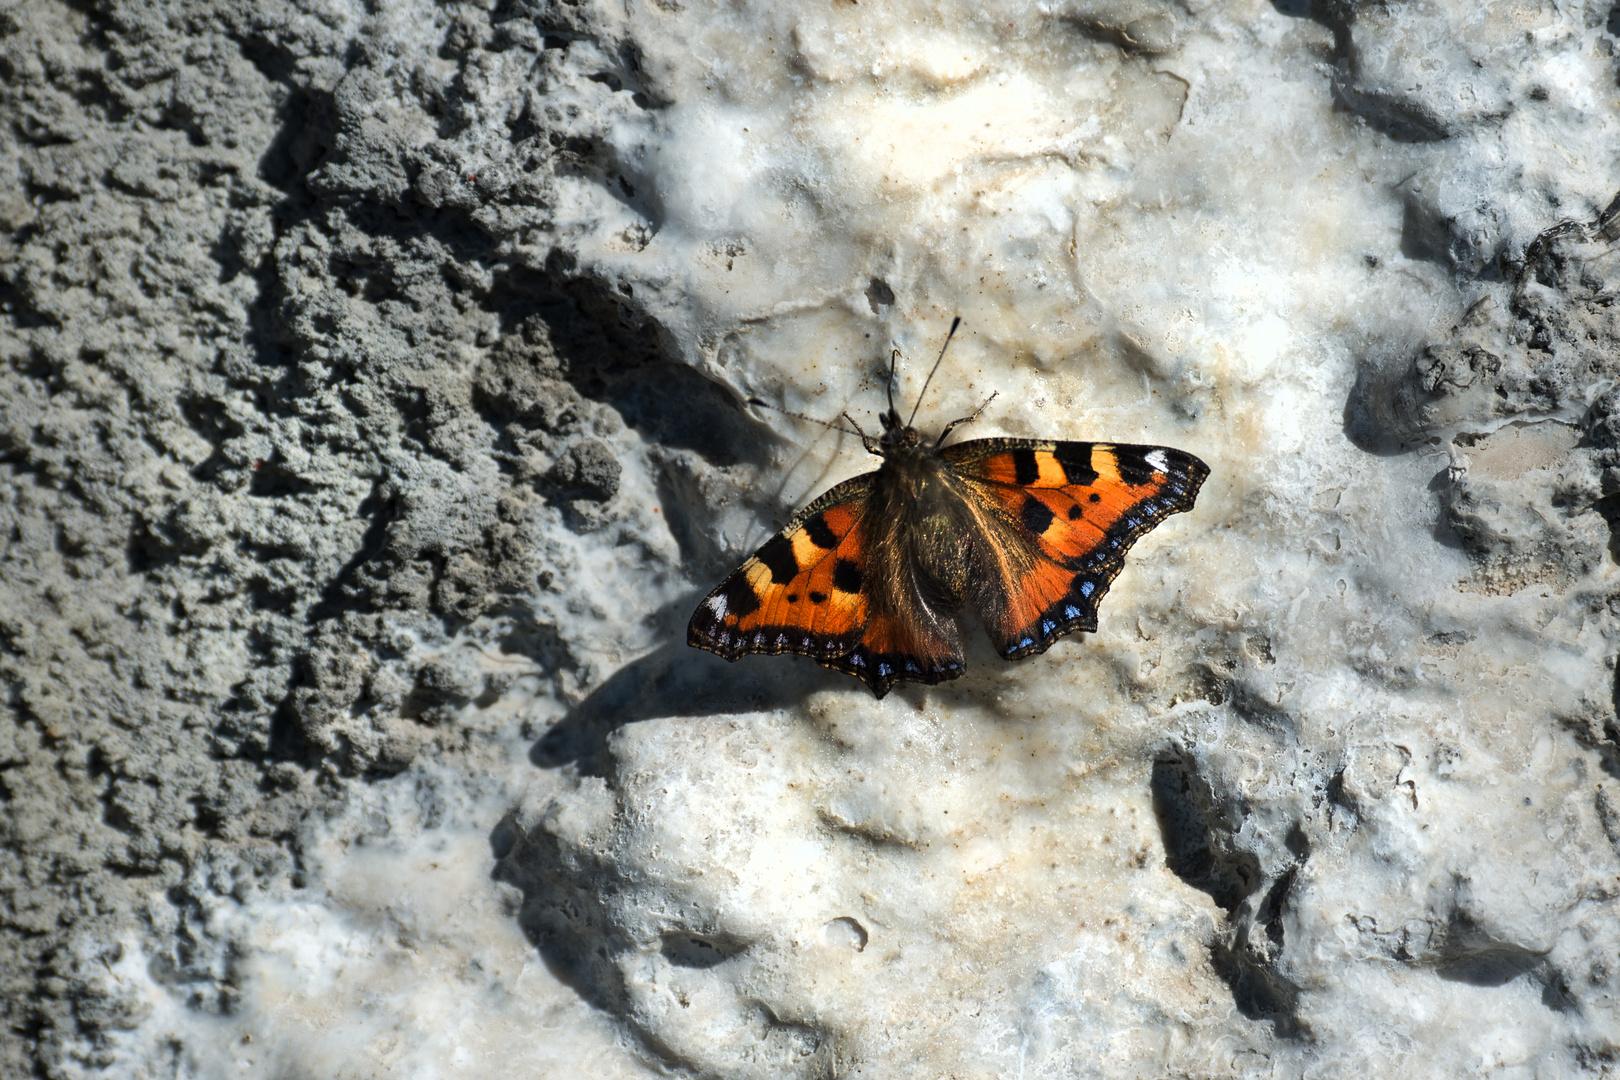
(674, 680)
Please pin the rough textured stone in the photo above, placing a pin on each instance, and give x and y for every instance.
(370, 384)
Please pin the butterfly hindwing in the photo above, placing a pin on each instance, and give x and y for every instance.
(801, 592)
(902, 647)
(1078, 507)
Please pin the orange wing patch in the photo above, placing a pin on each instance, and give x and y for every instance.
(801, 592)
(1080, 506)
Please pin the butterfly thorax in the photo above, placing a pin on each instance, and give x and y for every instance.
(924, 532)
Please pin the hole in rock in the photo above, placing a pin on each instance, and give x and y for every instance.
(271, 480)
(700, 950)
(879, 295)
(845, 933)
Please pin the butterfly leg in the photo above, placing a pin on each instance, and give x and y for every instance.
(873, 446)
(954, 424)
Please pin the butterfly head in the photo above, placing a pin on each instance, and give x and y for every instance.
(897, 436)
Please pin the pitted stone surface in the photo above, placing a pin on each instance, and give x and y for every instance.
(371, 418)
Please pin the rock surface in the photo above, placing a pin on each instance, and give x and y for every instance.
(372, 385)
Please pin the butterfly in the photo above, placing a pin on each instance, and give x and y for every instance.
(868, 578)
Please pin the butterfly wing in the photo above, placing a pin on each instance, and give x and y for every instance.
(810, 590)
(1077, 508)
(800, 592)
(912, 643)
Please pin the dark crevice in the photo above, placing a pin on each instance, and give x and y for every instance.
(286, 739)
(1184, 826)
(342, 593)
(700, 951)
(1488, 966)
(1258, 994)
(1471, 955)
(1270, 913)
(1183, 807)
(609, 353)
(272, 480)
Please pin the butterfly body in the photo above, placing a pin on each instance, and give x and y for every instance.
(869, 577)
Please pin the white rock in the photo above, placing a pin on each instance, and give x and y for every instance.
(1329, 792)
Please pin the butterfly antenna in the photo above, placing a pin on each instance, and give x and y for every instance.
(811, 419)
(894, 357)
(952, 333)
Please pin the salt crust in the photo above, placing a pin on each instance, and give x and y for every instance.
(1322, 795)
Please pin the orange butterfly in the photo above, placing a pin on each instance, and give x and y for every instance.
(867, 579)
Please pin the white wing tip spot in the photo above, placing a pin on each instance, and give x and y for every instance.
(1157, 460)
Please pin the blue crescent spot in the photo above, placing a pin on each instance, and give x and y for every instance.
(1046, 626)
(1026, 641)
(857, 660)
(1071, 612)
(1086, 587)
(884, 669)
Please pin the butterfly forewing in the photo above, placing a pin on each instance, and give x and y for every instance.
(1079, 507)
(801, 592)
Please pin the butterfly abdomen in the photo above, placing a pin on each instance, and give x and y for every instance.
(927, 548)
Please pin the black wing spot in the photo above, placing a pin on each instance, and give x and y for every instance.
(777, 555)
(1074, 512)
(793, 598)
(817, 597)
(1095, 497)
(846, 576)
(1133, 467)
(818, 532)
(1075, 459)
(1036, 515)
(1026, 470)
(740, 599)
